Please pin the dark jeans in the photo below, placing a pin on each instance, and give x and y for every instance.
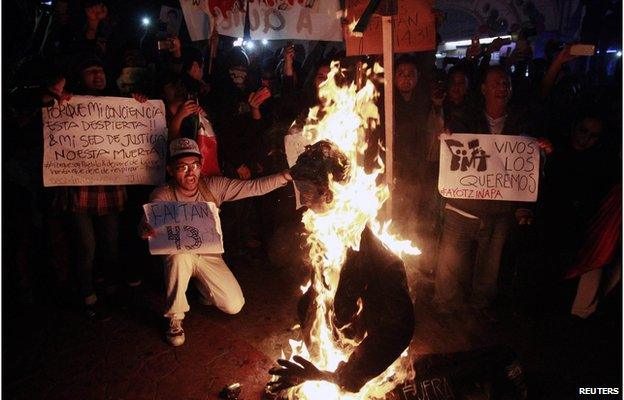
(90, 232)
(454, 264)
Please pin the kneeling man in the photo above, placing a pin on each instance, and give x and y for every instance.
(215, 282)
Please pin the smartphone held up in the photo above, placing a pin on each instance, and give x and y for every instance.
(582, 50)
(165, 45)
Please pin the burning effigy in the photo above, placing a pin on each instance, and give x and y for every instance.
(356, 314)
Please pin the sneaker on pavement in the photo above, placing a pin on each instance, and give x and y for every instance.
(175, 333)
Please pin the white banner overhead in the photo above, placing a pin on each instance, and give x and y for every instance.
(489, 167)
(279, 19)
(295, 19)
(184, 227)
(104, 141)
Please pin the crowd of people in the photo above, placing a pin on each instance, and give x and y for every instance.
(227, 113)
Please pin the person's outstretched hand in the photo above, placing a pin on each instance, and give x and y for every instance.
(257, 98)
(189, 107)
(57, 91)
(295, 373)
(96, 13)
(176, 47)
(564, 56)
(140, 97)
(243, 172)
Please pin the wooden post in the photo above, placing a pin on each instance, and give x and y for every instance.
(388, 65)
(214, 44)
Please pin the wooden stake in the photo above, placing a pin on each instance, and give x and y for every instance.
(388, 64)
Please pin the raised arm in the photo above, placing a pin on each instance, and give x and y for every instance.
(553, 71)
(95, 14)
(226, 189)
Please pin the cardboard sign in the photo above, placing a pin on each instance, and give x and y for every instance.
(489, 167)
(172, 18)
(104, 141)
(184, 227)
(294, 144)
(414, 28)
(196, 18)
(295, 19)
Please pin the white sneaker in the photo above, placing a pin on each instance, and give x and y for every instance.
(175, 333)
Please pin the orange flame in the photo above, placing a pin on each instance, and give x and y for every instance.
(344, 116)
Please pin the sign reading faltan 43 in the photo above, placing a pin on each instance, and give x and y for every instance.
(104, 141)
(184, 227)
(489, 167)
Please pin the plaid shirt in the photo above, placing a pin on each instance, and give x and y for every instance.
(98, 200)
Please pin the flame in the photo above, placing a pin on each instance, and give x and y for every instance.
(344, 116)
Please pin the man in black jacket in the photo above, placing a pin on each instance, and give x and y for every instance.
(485, 221)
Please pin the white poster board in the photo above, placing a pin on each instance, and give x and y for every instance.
(305, 20)
(489, 167)
(104, 141)
(197, 19)
(184, 227)
(294, 144)
(172, 18)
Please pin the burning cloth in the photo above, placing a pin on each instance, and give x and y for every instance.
(377, 277)
(371, 307)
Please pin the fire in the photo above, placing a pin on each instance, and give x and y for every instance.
(344, 116)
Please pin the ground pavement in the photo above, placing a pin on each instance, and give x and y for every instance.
(52, 352)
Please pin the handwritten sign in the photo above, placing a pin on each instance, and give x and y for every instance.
(414, 28)
(489, 167)
(295, 19)
(228, 16)
(184, 227)
(197, 20)
(104, 141)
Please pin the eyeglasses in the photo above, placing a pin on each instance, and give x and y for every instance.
(184, 168)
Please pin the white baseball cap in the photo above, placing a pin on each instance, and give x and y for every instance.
(183, 147)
